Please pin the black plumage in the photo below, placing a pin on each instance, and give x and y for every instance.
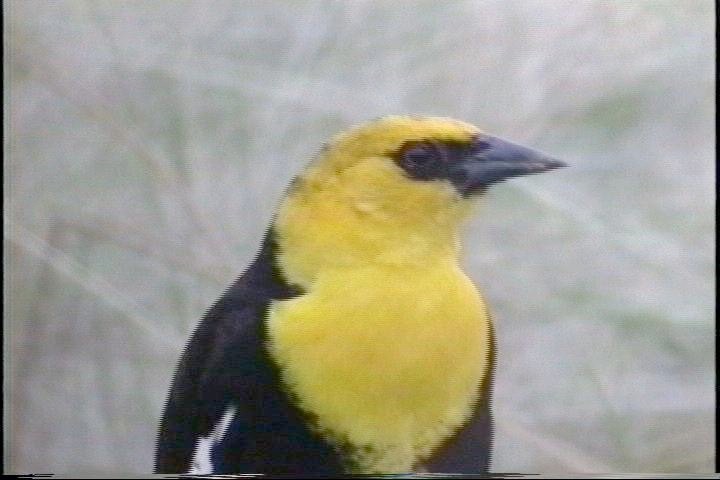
(225, 362)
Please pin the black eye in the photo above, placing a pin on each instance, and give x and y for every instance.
(422, 160)
(421, 154)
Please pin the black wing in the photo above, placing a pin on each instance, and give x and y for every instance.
(470, 449)
(226, 365)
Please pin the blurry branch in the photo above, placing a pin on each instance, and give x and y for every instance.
(684, 442)
(686, 461)
(637, 249)
(130, 238)
(568, 455)
(337, 99)
(174, 186)
(122, 80)
(614, 422)
(53, 81)
(91, 282)
(679, 442)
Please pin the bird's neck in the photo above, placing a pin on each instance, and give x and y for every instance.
(319, 232)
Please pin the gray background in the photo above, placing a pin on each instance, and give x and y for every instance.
(149, 143)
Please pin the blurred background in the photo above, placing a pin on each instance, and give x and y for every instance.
(149, 143)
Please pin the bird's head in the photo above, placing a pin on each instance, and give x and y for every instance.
(396, 188)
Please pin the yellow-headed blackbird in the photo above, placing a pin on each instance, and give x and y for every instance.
(354, 342)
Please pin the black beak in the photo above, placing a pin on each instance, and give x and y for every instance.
(492, 160)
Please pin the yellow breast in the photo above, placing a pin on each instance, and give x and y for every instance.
(387, 360)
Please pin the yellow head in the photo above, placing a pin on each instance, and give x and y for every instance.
(393, 191)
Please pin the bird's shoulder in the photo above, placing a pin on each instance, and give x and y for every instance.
(234, 324)
(222, 360)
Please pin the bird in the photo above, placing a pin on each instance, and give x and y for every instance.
(354, 342)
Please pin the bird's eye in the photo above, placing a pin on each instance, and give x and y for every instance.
(422, 160)
(421, 154)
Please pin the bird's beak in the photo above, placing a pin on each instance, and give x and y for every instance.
(493, 160)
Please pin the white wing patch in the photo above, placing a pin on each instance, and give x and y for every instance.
(202, 457)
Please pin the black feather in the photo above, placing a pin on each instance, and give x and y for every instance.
(224, 363)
